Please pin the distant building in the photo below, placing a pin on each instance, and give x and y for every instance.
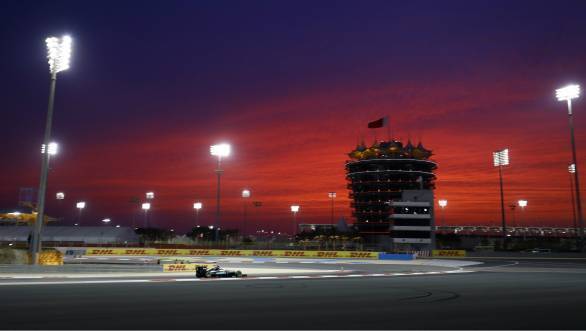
(70, 235)
(392, 194)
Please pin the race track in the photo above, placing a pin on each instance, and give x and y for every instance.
(528, 294)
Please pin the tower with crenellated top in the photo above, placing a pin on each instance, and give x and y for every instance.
(391, 191)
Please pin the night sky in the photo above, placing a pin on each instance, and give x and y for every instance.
(291, 85)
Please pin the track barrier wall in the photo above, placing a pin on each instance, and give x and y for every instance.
(223, 252)
(387, 256)
(248, 253)
(448, 253)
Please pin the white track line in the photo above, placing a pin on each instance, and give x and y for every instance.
(155, 280)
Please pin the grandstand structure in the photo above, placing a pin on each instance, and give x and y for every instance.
(495, 231)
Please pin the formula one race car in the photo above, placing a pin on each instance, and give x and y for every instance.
(217, 272)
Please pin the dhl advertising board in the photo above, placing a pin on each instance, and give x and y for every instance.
(448, 253)
(187, 267)
(229, 252)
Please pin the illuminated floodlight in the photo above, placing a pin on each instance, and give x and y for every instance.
(332, 194)
(80, 205)
(572, 168)
(442, 203)
(58, 53)
(106, 220)
(53, 148)
(197, 205)
(220, 150)
(211, 227)
(60, 195)
(146, 206)
(294, 208)
(150, 195)
(118, 225)
(246, 193)
(522, 203)
(568, 92)
(501, 158)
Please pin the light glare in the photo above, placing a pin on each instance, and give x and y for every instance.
(522, 203)
(146, 206)
(58, 53)
(442, 203)
(246, 193)
(572, 168)
(220, 150)
(568, 92)
(60, 195)
(294, 208)
(197, 205)
(501, 158)
(53, 148)
(80, 205)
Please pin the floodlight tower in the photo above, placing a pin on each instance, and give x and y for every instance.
(294, 210)
(146, 206)
(500, 159)
(567, 94)
(245, 197)
(522, 203)
(443, 203)
(59, 54)
(332, 196)
(571, 171)
(197, 206)
(220, 150)
(80, 206)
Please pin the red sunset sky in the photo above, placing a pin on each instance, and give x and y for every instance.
(292, 99)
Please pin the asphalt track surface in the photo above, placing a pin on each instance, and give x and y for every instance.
(503, 294)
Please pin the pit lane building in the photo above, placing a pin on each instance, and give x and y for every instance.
(391, 189)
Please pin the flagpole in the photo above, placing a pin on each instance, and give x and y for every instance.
(388, 123)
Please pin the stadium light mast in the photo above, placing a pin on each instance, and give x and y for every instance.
(80, 206)
(568, 93)
(443, 203)
(500, 159)
(332, 196)
(245, 197)
(219, 150)
(294, 210)
(197, 207)
(571, 171)
(146, 206)
(58, 54)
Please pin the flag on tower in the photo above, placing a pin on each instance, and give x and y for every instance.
(383, 121)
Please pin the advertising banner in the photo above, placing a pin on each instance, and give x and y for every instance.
(448, 253)
(231, 252)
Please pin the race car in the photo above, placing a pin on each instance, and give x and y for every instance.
(217, 272)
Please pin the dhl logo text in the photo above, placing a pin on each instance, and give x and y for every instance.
(135, 252)
(294, 254)
(167, 251)
(180, 267)
(199, 252)
(103, 251)
(327, 254)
